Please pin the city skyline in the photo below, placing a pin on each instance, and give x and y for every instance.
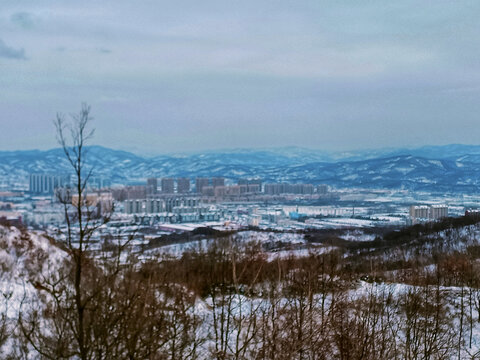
(190, 77)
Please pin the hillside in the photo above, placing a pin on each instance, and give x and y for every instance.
(451, 168)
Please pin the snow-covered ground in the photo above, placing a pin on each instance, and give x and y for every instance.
(26, 259)
(274, 244)
(357, 235)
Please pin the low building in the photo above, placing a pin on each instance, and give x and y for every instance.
(103, 201)
(208, 191)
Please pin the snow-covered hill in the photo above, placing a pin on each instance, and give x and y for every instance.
(26, 260)
(393, 316)
(452, 168)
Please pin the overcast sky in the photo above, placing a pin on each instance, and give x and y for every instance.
(173, 76)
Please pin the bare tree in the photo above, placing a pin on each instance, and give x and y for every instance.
(70, 292)
(75, 153)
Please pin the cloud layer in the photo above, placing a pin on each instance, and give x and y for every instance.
(9, 52)
(195, 75)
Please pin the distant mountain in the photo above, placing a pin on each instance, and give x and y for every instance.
(450, 168)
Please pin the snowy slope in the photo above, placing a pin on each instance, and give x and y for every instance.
(455, 168)
(25, 259)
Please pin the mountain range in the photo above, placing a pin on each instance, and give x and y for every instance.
(450, 168)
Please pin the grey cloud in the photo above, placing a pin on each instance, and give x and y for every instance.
(10, 52)
(204, 74)
(23, 19)
(104, 50)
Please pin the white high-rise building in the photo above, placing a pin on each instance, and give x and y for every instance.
(45, 184)
(428, 212)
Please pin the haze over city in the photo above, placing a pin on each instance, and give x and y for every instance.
(189, 76)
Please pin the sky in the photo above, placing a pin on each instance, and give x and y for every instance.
(185, 75)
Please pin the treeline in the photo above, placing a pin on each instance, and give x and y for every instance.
(228, 300)
(387, 238)
(186, 237)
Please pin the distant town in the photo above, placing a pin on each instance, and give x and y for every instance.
(184, 204)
